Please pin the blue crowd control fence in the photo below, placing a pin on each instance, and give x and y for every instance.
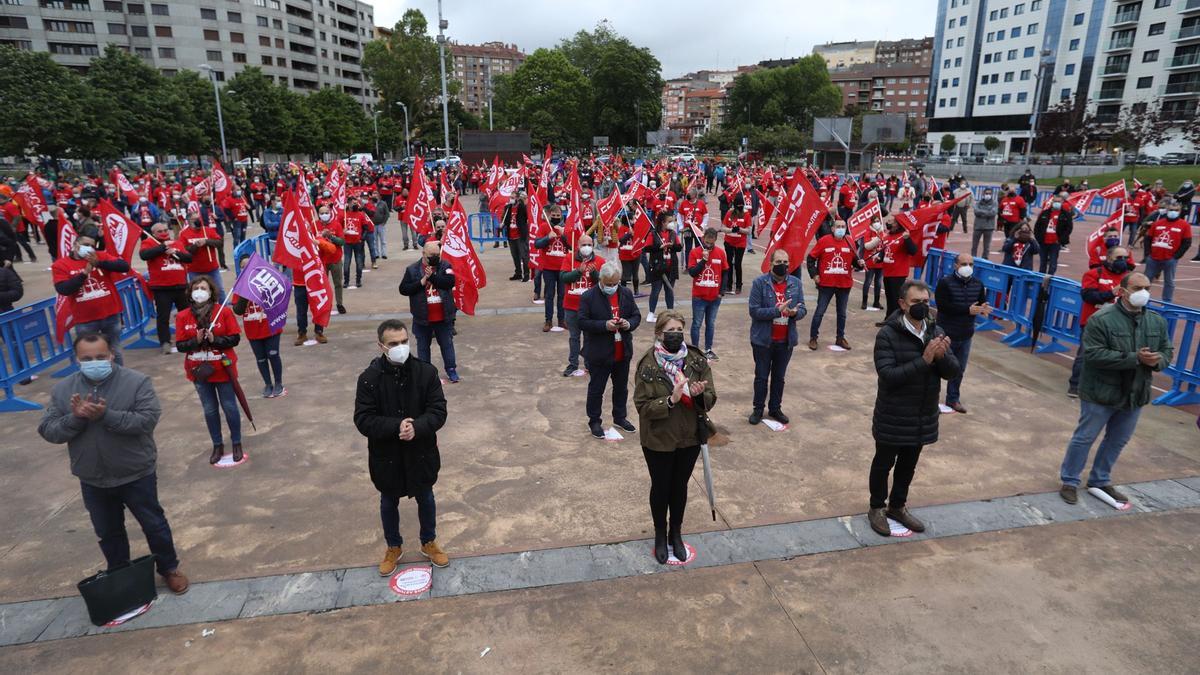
(263, 244)
(482, 228)
(1098, 207)
(29, 347)
(1013, 294)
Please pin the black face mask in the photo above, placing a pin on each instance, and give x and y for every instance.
(672, 341)
(779, 269)
(918, 311)
(435, 259)
(1118, 266)
(555, 221)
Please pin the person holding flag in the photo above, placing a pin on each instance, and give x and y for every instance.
(706, 264)
(895, 252)
(737, 224)
(514, 224)
(202, 242)
(261, 300)
(429, 285)
(694, 212)
(829, 265)
(86, 280)
(584, 273)
(554, 249)
(1053, 232)
(206, 333)
(166, 262)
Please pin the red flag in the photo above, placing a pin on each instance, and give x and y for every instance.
(120, 234)
(538, 227)
(1080, 201)
(296, 249)
(64, 316)
(125, 189)
(609, 207)
(221, 185)
(1114, 191)
(493, 177)
(66, 233)
(419, 209)
(574, 206)
(335, 183)
(798, 215)
(641, 230)
(544, 181)
(765, 210)
(33, 204)
(469, 275)
(860, 221)
(922, 226)
(1116, 220)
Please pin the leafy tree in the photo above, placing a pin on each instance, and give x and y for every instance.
(430, 128)
(790, 96)
(715, 140)
(1139, 125)
(779, 139)
(404, 67)
(626, 82)
(308, 136)
(265, 105)
(948, 143)
(45, 105)
(991, 143)
(340, 117)
(197, 131)
(551, 98)
(1063, 128)
(140, 123)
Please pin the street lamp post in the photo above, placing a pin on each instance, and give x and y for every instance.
(460, 139)
(637, 113)
(220, 121)
(489, 93)
(375, 120)
(441, 39)
(1037, 102)
(407, 149)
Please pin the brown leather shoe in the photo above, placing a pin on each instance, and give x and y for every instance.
(390, 559)
(435, 554)
(841, 342)
(812, 344)
(958, 407)
(546, 327)
(217, 453)
(1113, 492)
(301, 339)
(562, 324)
(902, 516)
(321, 339)
(879, 522)
(176, 582)
(1069, 494)
(237, 452)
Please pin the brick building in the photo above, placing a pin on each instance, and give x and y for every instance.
(897, 88)
(475, 66)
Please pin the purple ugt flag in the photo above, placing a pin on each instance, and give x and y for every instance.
(266, 287)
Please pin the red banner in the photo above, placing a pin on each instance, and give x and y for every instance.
(418, 210)
(922, 226)
(33, 204)
(574, 206)
(120, 234)
(125, 189)
(765, 210)
(1114, 191)
(798, 215)
(860, 221)
(221, 185)
(457, 249)
(296, 249)
(1116, 220)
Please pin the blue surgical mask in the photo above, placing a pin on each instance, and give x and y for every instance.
(96, 371)
(608, 290)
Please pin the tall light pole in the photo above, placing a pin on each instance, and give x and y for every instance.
(1037, 103)
(407, 150)
(441, 40)
(220, 120)
(637, 113)
(375, 120)
(489, 93)
(460, 139)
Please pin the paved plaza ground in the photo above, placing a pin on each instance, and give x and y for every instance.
(524, 488)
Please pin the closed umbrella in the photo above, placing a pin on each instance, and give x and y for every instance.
(1039, 312)
(702, 435)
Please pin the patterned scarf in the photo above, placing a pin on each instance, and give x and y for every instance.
(672, 365)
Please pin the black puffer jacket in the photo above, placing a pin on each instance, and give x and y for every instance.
(387, 394)
(906, 405)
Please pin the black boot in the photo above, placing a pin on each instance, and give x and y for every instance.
(676, 542)
(217, 452)
(660, 546)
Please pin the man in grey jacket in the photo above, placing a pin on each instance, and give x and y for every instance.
(985, 223)
(106, 415)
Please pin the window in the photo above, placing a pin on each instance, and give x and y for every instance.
(987, 58)
(1069, 69)
(267, 61)
(235, 17)
(999, 35)
(1008, 77)
(962, 20)
(1005, 98)
(239, 57)
(1004, 13)
(169, 72)
(958, 62)
(212, 35)
(208, 14)
(992, 99)
(139, 31)
(262, 22)
(1019, 9)
(1028, 52)
(1022, 97)
(1150, 56)
(983, 79)
(142, 52)
(116, 29)
(991, 37)
(1161, 3)
(959, 42)
(891, 80)
(264, 41)
(1025, 75)
(994, 15)
(954, 82)
(1012, 54)
(904, 80)
(108, 6)
(1157, 28)
(1145, 82)
(278, 43)
(949, 44)
(946, 63)
(941, 103)
(166, 52)
(133, 8)
(1031, 29)
(1035, 5)
(1015, 32)
(72, 49)
(213, 55)
(160, 10)
(1078, 19)
(953, 102)
(1073, 45)
(995, 77)
(69, 26)
(952, 21)
(277, 24)
(1064, 94)
(982, 100)
(162, 31)
(238, 38)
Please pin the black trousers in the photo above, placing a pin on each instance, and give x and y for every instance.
(629, 272)
(669, 476)
(164, 299)
(519, 248)
(904, 457)
(599, 373)
(733, 275)
(891, 289)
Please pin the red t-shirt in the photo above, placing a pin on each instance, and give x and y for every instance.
(165, 271)
(353, 232)
(226, 324)
(835, 258)
(1097, 278)
(693, 213)
(847, 196)
(737, 239)
(707, 284)
(97, 298)
(1166, 236)
(1051, 236)
(577, 289)
(204, 260)
(255, 324)
(433, 300)
(614, 301)
(779, 325)
(1010, 209)
(554, 256)
(896, 261)
(626, 252)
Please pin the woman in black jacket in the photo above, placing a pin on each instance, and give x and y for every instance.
(11, 287)
(663, 254)
(1052, 230)
(912, 357)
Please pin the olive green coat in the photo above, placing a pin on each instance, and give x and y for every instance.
(666, 428)
(1112, 375)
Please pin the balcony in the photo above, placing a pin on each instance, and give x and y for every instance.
(1127, 16)
(1189, 88)
(1106, 118)
(1110, 94)
(1189, 6)
(1120, 44)
(1187, 34)
(1184, 61)
(1111, 69)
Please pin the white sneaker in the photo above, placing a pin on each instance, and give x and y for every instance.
(651, 318)
(350, 288)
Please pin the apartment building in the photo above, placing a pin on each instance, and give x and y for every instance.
(303, 44)
(892, 88)
(695, 103)
(474, 67)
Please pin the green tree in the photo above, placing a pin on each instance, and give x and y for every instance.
(948, 143)
(341, 119)
(1139, 125)
(140, 123)
(791, 96)
(308, 136)
(196, 133)
(626, 82)
(991, 143)
(551, 98)
(45, 106)
(404, 68)
(265, 106)
(716, 140)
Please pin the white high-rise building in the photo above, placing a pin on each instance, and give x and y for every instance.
(997, 62)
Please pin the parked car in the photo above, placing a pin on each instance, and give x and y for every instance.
(360, 157)
(994, 159)
(1180, 158)
(954, 159)
(248, 162)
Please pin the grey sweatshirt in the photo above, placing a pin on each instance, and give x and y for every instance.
(985, 215)
(119, 447)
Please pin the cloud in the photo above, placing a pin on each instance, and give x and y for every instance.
(684, 35)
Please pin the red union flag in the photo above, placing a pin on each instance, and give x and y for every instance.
(1115, 221)
(641, 229)
(221, 185)
(66, 234)
(33, 205)
(544, 181)
(765, 210)
(458, 250)
(296, 249)
(1114, 191)
(420, 204)
(609, 207)
(575, 207)
(922, 225)
(797, 217)
(860, 221)
(64, 316)
(1081, 200)
(120, 235)
(538, 227)
(127, 191)
(336, 184)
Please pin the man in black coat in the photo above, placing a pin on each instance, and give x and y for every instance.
(960, 298)
(429, 285)
(399, 406)
(608, 316)
(912, 357)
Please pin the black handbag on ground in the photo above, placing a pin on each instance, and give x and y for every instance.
(120, 590)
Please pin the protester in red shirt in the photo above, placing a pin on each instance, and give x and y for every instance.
(237, 214)
(584, 274)
(429, 285)
(89, 279)
(737, 221)
(206, 333)
(874, 266)
(895, 252)
(693, 212)
(1012, 209)
(264, 342)
(357, 226)
(706, 264)
(202, 242)
(1053, 232)
(555, 249)
(1169, 239)
(630, 254)
(1099, 287)
(166, 262)
(829, 265)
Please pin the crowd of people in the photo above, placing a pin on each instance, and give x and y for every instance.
(591, 236)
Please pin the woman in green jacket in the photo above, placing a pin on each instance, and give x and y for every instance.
(673, 393)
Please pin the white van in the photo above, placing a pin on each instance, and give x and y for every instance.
(360, 157)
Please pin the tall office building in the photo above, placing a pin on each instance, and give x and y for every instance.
(476, 65)
(304, 44)
(995, 63)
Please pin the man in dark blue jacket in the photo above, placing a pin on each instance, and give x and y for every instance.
(960, 298)
(607, 318)
(429, 285)
(776, 303)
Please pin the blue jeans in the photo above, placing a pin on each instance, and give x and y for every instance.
(1049, 261)
(110, 328)
(667, 287)
(106, 506)
(369, 237)
(824, 295)
(770, 362)
(239, 232)
(1118, 426)
(389, 514)
(444, 332)
(266, 354)
(961, 350)
(552, 294)
(704, 311)
(214, 397)
(213, 276)
(1167, 269)
(352, 252)
(572, 318)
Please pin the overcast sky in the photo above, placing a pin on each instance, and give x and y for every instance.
(685, 35)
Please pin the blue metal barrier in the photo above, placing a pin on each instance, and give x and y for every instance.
(1063, 308)
(29, 347)
(1184, 371)
(263, 244)
(483, 228)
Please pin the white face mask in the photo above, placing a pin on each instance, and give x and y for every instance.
(85, 250)
(325, 217)
(839, 232)
(1172, 214)
(200, 296)
(398, 354)
(585, 251)
(966, 271)
(1139, 298)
